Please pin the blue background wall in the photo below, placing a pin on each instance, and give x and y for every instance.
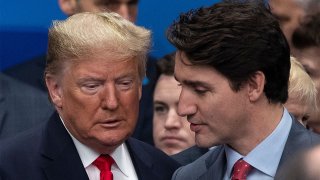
(24, 24)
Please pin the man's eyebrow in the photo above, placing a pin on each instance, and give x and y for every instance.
(86, 79)
(194, 83)
(159, 102)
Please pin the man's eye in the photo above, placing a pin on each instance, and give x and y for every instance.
(125, 85)
(90, 88)
(200, 90)
(160, 110)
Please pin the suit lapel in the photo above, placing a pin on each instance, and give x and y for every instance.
(60, 157)
(298, 139)
(216, 165)
(292, 143)
(141, 160)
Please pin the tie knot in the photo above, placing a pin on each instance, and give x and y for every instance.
(104, 163)
(241, 170)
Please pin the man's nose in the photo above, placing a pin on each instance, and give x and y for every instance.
(186, 106)
(109, 98)
(173, 119)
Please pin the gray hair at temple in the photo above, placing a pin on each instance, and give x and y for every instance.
(87, 35)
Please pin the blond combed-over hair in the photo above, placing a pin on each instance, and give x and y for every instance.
(301, 86)
(89, 34)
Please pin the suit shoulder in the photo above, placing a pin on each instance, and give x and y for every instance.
(189, 155)
(149, 150)
(25, 67)
(21, 144)
(158, 160)
(299, 134)
(314, 138)
(193, 170)
(29, 72)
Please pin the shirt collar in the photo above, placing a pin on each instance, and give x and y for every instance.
(266, 156)
(120, 155)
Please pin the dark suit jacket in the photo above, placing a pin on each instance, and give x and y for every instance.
(31, 73)
(21, 106)
(213, 164)
(189, 155)
(48, 153)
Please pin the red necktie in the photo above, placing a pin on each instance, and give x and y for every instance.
(241, 170)
(103, 163)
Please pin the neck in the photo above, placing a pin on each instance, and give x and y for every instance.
(260, 124)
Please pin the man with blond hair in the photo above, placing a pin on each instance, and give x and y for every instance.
(31, 71)
(95, 66)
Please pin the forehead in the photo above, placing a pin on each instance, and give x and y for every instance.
(167, 89)
(166, 82)
(116, 1)
(102, 65)
(286, 7)
(190, 71)
(283, 4)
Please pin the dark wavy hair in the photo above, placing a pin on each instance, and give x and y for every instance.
(236, 38)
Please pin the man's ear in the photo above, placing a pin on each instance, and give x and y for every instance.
(55, 91)
(256, 86)
(68, 7)
(140, 91)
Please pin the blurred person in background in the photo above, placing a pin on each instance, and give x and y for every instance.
(21, 106)
(290, 14)
(302, 100)
(306, 40)
(171, 132)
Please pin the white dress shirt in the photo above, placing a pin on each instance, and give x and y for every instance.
(122, 169)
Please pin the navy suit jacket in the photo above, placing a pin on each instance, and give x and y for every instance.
(213, 164)
(31, 73)
(48, 153)
(21, 106)
(189, 155)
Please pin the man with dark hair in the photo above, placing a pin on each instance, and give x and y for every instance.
(306, 39)
(233, 64)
